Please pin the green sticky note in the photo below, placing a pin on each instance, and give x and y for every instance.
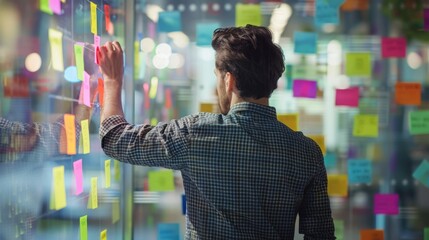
(426, 234)
(78, 54)
(44, 7)
(248, 14)
(304, 71)
(84, 227)
(419, 122)
(339, 229)
(358, 64)
(161, 181)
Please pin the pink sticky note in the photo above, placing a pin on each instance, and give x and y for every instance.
(304, 88)
(55, 6)
(393, 47)
(77, 169)
(426, 19)
(347, 97)
(86, 90)
(96, 47)
(386, 204)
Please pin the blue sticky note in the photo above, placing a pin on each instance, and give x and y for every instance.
(326, 12)
(168, 231)
(183, 204)
(422, 173)
(169, 21)
(204, 33)
(330, 160)
(305, 42)
(359, 171)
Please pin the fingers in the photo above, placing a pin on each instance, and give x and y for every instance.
(109, 46)
(117, 46)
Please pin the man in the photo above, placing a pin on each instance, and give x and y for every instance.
(246, 175)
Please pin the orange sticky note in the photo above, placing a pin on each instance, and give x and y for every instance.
(290, 120)
(408, 93)
(352, 5)
(320, 140)
(101, 92)
(337, 185)
(371, 234)
(93, 18)
(107, 17)
(69, 124)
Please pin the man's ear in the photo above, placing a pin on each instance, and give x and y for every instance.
(229, 82)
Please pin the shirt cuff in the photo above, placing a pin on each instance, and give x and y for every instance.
(110, 123)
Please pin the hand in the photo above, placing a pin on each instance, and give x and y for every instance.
(111, 62)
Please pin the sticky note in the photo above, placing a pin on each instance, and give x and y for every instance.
(78, 176)
(78, 54)
(426, 19)
(248, 14)
(408, 93)
(418, 122)
(161, 181)
(96, 49)
(17, 86)
(305, 42)
(337, 185)
(207, 107)
(326, 13)
(115, 212)
(44, 6)
(183, 204)
(93, 194)
(83, 227)
(393, 47)
(339, 229)
(93, 18)
(330, 160)
(353, 5)
(426, 234)
(101, 92)
(169, 21)
(56, 43)
(386, 204)
(359, 171)
(55, 6)
(107, 17)
(320, 140)
(358, 64)
(204, 33)
(70, 128)
(290, 120)
(84, 125)
(288, 76)
(365, 125)
(59, 188)
(86, 89)
(422, 173)
(168, 231)
(371, 234)
(117, 170)
(304, 71)
(304, 88)
(348, 97)
(103, 235)
(107, 173)
(153, 87)
(168, 98)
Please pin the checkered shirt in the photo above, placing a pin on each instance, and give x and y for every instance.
(246, 175)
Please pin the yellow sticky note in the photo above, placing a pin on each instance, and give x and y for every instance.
(93, 18)
(84, 125)
(115, 212)
(103, 235)
(56, 42)
(337, 185)
(107, 173)
(117, 170)
(63, 1)
(83, 227)
(358, 64)
(78, 55)
(69, 124)
(161, 181)
(248, 14)
(365, 125)
(59, 188)
(153, 87)
(93, 194)
(290, 120)
(320, 140)
(206, 107)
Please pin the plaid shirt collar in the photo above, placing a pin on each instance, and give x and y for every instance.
(253, 109)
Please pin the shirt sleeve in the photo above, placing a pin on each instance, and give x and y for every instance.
(163, 145)
(315, 218)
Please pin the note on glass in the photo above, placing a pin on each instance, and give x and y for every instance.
(207, 107)
(83, 229)
(78, 176)
(419, 122)
(107, 18)
(115, 212)
(55, 6)
(44, 6)
(161, 181)
(358, 64)
(393, 47)
(117, 170)
(326, 13)
(353, 5)
(169, 231)
(426, 234)
(96, 48)
(365, 125)
(169, 21)
(359, 171)
(204, 33)
(290, 120)
(84, 126)
(58, 194)
(93, 194)
(386, 204)
(408, 93)
(348, 97)
(103, 235)
(56, 42)
(422, 173)
(305, 42)
(371, 234)
(93, 18)
(248, 14)
(101, 92)
(168, 98)
(304, 71)
(337, 185)
(339, 229)
(320, 140)
(78, 55)
(330, 160)
(304, 88)
(426, 19)
(86, 89)
(107, 173)
(69, 124)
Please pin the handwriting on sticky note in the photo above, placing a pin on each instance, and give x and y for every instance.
(93, 194)
(339, 229)
(408, 93)
(320, 140)
(337, 185)
(393, 47)
(304, 88)
(371, 234)
(358, 64)
(56, 42)
(419, 122)
(359, 171)
(386, 204)
(305, 42)
(93, 18)
(59, 188)
(83, 227)
(422, 173)
(84, 125)
(365, 125)
(69, 124)
(161, 181)
(248, 14)
(347, 97)
(326, 13)
(78, 54)
(107, 173)
(78, 175)
(290, 120)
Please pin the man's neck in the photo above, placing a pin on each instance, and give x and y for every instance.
(261, 101)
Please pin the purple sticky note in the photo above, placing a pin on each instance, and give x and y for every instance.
(77, 169)
(426, 19)
(304, 88)
(386, 204)
(347, 97)
(55, 6)
(86, 90)
(393, 47)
